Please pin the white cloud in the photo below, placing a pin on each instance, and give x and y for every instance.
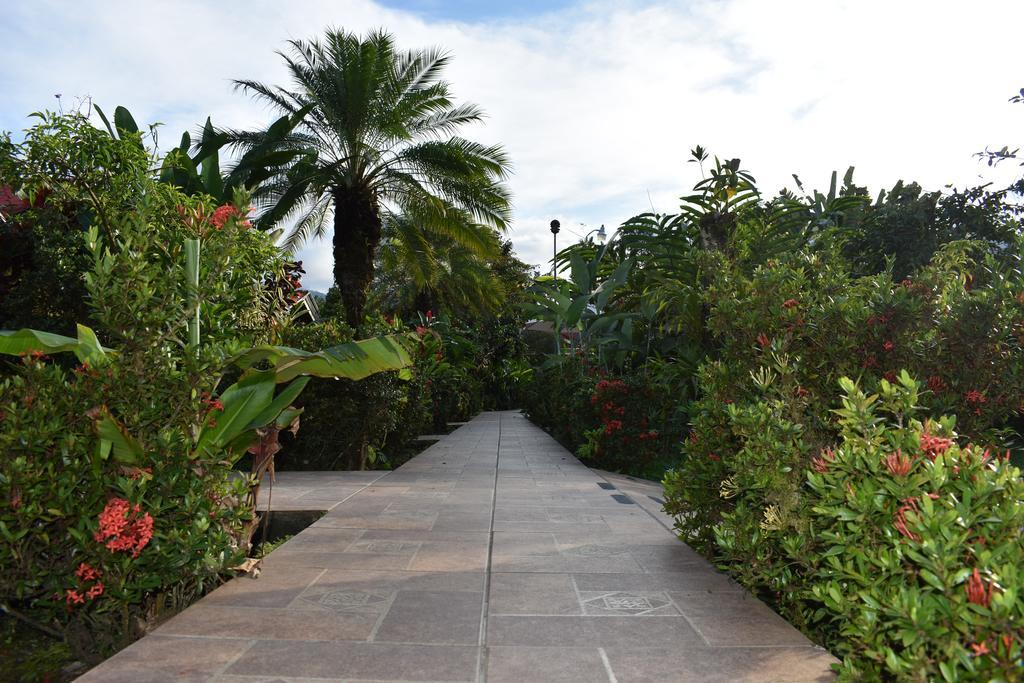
(598, 105)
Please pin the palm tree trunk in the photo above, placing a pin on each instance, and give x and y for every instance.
(357, 230)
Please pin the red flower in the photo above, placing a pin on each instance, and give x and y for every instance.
(975, 397)
(124, 528)
(933, 446)
(888, 346)
(712, 456)
(819, 464)
(87, 573)
(74, 597)
(612, 426)
(430, 316)
(222, 214)
(420, 330)
(978, 590)
(890, 376)
(900, 522)
(801, 392)
(870, 362)
(936, 384)
(95, 591)
(898, 464)
(790, 303)
(762, 340)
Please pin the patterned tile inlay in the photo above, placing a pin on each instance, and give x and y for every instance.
(627, 604)
(362, 602)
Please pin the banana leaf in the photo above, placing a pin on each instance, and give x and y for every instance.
(86, 347)
(352, 360)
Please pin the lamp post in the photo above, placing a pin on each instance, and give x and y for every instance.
(555, 225)
(557, 326)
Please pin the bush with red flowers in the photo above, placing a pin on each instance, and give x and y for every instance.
(95, 545)
(914, 571)
(625, 439)
(786, 333)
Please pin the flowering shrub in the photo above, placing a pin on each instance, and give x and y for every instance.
(896, 545)
(631, 423)
(916, 569)
(92, 547)
(626, 439)
(785, 334)
(104, 533)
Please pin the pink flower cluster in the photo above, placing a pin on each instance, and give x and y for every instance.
(124, 528)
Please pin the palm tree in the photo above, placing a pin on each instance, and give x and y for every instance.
(378, 138)
(421, 274)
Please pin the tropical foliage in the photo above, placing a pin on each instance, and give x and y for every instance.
(375, 144)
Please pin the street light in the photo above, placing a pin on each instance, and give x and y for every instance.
(557, 325)
(555, 225)
(600, 236)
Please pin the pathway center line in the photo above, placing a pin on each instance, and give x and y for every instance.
(481, 674)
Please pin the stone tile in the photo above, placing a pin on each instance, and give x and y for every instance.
(696, 579)
(157, 658)
(425, 535)
(272, 679)
(715, 665)
(271, 589)
(273, 623)
(321, 539)
(448, 618)
(530, 593)
(520, 514)
(384, 520)
(291, 559)
(590, 631)
(374, 661)
(736, 619)
(552, 665)
(444, 556)
(524, 544)
(401, 580)
(567, 564)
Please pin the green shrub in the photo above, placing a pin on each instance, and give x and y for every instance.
(630, 422)
(350, 425)
(916, 567)
(175, 517)
(558, 399)
(786, 334)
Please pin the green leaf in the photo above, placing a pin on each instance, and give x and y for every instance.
(125, 449)
(352, 360)
(278, 406)
(244, 401)
(106, 121)
(210, 171)
(86, 348)
(124, 121)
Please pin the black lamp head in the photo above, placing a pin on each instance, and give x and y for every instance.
(555, 225)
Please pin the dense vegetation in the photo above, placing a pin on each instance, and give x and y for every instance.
(154, 330)
(830, 384)
(793, 362)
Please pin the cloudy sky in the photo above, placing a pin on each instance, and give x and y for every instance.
(598, 103)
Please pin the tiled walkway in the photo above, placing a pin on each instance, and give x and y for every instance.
(494, 555)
